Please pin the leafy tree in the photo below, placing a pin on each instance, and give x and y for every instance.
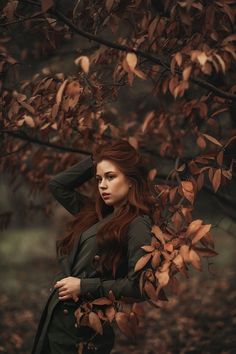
(176, 62)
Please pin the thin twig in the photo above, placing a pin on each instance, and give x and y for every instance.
(21, 20)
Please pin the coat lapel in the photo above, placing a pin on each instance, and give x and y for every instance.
(91, 232)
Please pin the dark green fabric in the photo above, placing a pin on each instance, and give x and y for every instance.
(64, 338)
(79, 263)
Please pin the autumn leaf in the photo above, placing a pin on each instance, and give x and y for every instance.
(186, 73)
(139, 73)
(195, 259)
(187, 189)
(178, 261)
(184, 252)
(102, 301)
(220, 157)
(163, 277)
(131, 60)
(202, 58)
(152, 174)
(142, 262)
(194, 226)
(122, 320)
(156, 258)
(45, 126)
(28, 107)
(216, 179)
(204, 229)
(212, 139)
(178, 58)
(110, 313)
(29, 121)
(138, 309)
(150, 290)
(168, 247)
(148, 248)
(83, 61)
(111, 295)
(20, 122)
(60, 92)
(147, 121)
(134, 321)
(95, 322)
(201, 142)
(158, 233)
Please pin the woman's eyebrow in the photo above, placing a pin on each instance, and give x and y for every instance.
(106, 173)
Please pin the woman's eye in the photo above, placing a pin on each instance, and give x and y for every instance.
(108, 177)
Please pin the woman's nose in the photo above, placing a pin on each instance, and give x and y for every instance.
(103, 184)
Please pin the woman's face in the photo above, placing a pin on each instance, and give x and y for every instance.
(113, 182)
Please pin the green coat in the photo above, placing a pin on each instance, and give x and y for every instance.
(79, 263)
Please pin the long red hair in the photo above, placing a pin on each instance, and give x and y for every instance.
(112, 235)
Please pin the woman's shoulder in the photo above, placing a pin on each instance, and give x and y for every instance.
(141, 219)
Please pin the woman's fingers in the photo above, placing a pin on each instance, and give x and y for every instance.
(58, 285)
(62, 293)
(64, 297)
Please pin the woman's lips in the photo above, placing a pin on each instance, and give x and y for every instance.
(106, 196)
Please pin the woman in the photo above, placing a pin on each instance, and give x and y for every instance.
(100, 251)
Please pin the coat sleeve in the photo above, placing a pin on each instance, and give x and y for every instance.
(139, 234)
(63, 185)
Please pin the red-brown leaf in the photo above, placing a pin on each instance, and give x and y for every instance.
(212, 139)
(60, 92)
(102, 301)
(142, 262)
(95, 322)
(184, 252)
(110, 313)
(150, 290)
(194, 226)
(195, 259)
(216, 180)
(147, 121)
(138, 309)
(132, 60)
(163, 277)
(148, 248)
(204, 229)
(122, 320)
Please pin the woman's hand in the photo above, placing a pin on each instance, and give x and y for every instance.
(68, 288)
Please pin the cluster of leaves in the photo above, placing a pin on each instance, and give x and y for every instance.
(124, 312)
(183, 53)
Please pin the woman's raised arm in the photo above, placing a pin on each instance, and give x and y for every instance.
(63, 185)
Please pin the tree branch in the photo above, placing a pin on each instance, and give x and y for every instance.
(154, 59)
(24, 136)
(22, 19)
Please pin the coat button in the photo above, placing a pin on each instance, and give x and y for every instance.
(96, 257)
(65, 311)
